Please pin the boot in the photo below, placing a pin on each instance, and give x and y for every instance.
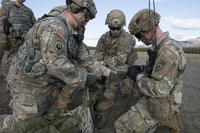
(60, 105)
(108, 96)
(63, 100)
(104, 105)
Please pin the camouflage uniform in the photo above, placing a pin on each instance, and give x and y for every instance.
(57, 10)
(116, 53)
(55, 65)
(15, 21)
(162, 91)
(77, 120)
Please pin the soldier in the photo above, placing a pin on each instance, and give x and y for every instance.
(160, 85)
(16, 20)
(115, 50)
(53, 57)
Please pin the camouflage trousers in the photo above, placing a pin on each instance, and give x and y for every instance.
(78, 120)
(7, 57)
(139, 120)
(136, 120)
(6, 61)
(112, 86)
(9, 53)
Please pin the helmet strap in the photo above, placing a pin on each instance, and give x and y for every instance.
(80, 28)
(76, 20)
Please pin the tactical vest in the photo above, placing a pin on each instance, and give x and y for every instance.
(28, 57)
(74, 41)
(20, 19)
(112, 46)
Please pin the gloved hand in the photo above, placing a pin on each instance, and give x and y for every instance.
(133, 71)
(118, 74)
(91, 80)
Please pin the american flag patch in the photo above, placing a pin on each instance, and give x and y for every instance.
(62, 36)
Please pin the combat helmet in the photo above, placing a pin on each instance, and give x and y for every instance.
(77, 5)
(115, 18)
(141, 21)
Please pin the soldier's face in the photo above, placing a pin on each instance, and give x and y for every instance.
(145, 37)
(115, 31)
(82, 18)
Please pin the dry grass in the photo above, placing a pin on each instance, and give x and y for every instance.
(195, 50)
(191, 57)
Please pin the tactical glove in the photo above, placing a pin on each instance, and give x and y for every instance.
(133, 71)
(91, 80)
(118, 74)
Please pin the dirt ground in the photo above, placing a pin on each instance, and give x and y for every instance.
(190, 109)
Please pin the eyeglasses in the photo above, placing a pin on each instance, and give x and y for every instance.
(115, 28)
(138, 36)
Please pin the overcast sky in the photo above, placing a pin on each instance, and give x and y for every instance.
(180, 17)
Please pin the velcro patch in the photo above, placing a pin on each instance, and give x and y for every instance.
(162, 66)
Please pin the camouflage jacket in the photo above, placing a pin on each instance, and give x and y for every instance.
(167, 71)
(115, 51)
(57, 10)
(53, 41)
(20, 18)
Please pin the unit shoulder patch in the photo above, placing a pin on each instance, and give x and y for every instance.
(162, 66)
(62, 35)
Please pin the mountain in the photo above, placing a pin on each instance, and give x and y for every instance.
(191, 42)
(186, 43)
(198, 38)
